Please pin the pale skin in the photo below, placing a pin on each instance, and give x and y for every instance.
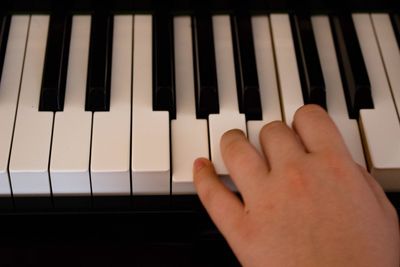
(305, 202)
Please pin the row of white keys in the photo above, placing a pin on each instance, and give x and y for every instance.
(228, 116)
(110, 155)
(150, 129)
(30, 152)
(390, 53)
(69, 163)
(269, 92)
(336, 103)
(380, 126)
(9, 89)
(288, 74)
(189, 135)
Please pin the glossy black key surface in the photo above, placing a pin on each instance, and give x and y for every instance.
(163, 65)
(312, 80)
(99, 69)
(4, 30)
(56, 64)
(355, 79)
(204, 66)
(396, 26)
(245, 68)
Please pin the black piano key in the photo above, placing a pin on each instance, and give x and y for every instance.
(205, 67)
(396, 27)
(355, 79)
(245, 68)
(163, 65)
(99, 68)
(4, 30)
(312, 80)
(56, 64)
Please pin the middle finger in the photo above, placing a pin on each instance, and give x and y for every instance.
(280, 144)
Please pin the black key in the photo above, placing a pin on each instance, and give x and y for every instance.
(163, 65)
(355, 79)
(396, 27)
(99, 69)
(312, 80)
(4, 30)
(205, 67)
(56, 64)
(245, 68)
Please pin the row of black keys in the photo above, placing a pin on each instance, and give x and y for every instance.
(353, 71)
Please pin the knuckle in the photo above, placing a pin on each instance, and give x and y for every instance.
(331, 158)
(335, 163)
(296, 179)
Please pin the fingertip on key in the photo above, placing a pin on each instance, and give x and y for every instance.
(199, 164)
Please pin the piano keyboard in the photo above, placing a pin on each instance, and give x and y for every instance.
(122, 105)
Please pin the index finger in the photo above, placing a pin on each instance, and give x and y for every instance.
(317, 131)
(246, 167)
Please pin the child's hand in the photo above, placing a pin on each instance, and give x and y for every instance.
(307, 203)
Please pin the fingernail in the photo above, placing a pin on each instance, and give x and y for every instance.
(199, 164)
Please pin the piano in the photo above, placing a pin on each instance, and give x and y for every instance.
(104, 105)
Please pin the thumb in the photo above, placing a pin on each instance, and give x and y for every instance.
(223, 206)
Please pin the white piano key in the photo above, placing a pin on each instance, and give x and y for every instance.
(390, 53)
(229, 116)
(380, 126)
(288, 74)
(9, 88)
(269, 92)
(69, 163)
(336, 102)
(110, 155)
(189, 135)
(150, 129)
(32, 136)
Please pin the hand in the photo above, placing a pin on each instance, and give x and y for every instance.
(305, 203)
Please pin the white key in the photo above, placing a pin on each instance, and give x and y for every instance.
(32, 136)
(335, 99)
(150, 129)
(189, 135)
(69, 163)
(9, 88)
(288, 74)
(229, 116)
(110, 156)
(380, 126)
(269, 92)
(390, 53)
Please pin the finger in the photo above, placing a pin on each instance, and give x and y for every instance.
(224, 208)
(246, 167)
(317, 131)
(279, 144)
